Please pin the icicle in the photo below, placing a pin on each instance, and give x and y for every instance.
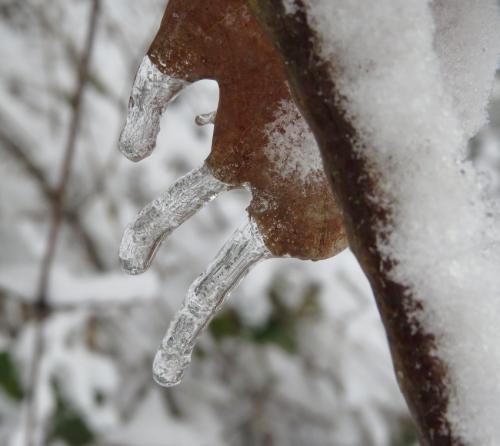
(158, 219)
(151, 93)
(206, 118)
(204, 298)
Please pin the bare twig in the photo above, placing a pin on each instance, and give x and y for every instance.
(14, 149)
(71, 216)
(65, 172)
(99, 307)
(55, 224)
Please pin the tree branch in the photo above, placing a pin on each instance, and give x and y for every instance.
(71, 216)
(420, 374)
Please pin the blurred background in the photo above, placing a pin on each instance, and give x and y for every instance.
(297, 357)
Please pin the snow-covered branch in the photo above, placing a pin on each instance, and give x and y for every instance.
(392, 92)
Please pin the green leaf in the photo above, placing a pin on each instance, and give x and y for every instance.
(407, 435)
(9, 381)
(279, 331)
(226, 324)
(68, 424)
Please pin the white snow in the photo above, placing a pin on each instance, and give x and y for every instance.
(466, 41)
(414, 108)
(290, 6)
(292, 147)
(68, 288)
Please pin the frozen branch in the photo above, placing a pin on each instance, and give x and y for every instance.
(422, 375)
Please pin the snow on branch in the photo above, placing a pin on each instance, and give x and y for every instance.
(70, 290)
(393, 91)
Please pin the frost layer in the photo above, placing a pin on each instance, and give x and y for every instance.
(204, 298)
(292, 147)
(414, 108)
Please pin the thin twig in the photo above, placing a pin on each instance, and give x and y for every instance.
(16, 151)
(69, 153)
(13, 148)
(55, 224)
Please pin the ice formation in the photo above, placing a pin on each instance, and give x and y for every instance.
(261, 143)
(414, 81)
(291, 146)
(205, 296)
(206, 118)
(166, 213)
(151, 93)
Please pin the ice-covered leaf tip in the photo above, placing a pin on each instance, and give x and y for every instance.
(260, 142)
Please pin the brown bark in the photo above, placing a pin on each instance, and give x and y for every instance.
(421, 376)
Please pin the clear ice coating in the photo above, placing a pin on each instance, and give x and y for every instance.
(204, 298)
(163, 215)
(151, 93)
(206, 118)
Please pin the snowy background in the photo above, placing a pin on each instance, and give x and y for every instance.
(298, 356)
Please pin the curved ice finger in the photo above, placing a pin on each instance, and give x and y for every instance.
(159, 218)
(151, 93)
(206, 118)
(205, 296)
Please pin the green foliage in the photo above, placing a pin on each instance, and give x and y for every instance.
(407, 434)
(279, 329)
(99, 397)
(226, 324)
(9, 381)
(67, 423)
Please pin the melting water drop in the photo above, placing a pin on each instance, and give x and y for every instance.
(206, 118)
(151, 93)
(204, 298)
(159, 218)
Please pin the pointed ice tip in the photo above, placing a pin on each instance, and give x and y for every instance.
(135, 258)
(131, 267)
(151, 93)
(161, 381)
(168, 370)
(132, 147)
(205, 118)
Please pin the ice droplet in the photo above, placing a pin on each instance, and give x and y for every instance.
(151, 93)
(206, 118)
(163, 215)
(204, 298)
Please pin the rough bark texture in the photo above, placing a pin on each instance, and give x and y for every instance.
(222, 40)
(421, 375)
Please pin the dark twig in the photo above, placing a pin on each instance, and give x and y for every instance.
(41, 298)
(69, 153)
(15, 149)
